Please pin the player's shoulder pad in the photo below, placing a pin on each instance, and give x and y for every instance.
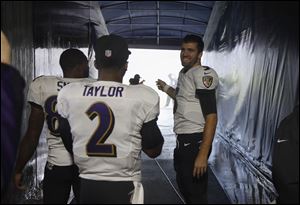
(209, 70)
(38, 78)
(38, 83)
(45, 78)
(71, 85)
(206, 77)
(206, 71)
(41, 80)
(78, 84)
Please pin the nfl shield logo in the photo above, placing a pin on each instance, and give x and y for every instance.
(107, 53)
(207, 81)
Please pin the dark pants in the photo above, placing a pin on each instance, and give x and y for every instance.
(105, 192)
(57, 183)
(194, 190)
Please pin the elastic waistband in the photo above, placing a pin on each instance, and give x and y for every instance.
(190, 138)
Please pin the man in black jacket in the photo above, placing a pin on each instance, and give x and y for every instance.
(286, 159)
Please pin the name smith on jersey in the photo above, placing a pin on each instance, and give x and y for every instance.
(103, 91)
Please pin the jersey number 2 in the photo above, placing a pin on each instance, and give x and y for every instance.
(96, 146)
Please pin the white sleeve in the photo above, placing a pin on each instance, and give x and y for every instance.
(62, 104)
(152, 111)
(34, 92)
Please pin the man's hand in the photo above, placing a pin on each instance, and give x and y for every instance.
(136, 80)
(160, 84)
(200, 166)
(18, 181)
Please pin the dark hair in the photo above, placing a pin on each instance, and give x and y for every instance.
(70, 58)
(195, 39)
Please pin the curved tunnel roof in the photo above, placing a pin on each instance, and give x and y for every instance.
(145, 24)
(156, 24)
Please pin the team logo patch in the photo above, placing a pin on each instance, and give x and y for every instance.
(107, 53)
(207, 81)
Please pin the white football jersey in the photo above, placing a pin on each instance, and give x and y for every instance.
(188, 116)
(106, 118)
(43, 91)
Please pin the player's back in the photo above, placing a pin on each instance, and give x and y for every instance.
(106, 118)
(43, 91)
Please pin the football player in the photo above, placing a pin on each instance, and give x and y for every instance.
(195, 120)
(60, 172)
(111, 124)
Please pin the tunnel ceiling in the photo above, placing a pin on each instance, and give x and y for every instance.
(66, 23)
(159, 24)
(145, 24)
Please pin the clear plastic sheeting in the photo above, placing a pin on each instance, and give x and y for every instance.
(18, 29)
(255, 50)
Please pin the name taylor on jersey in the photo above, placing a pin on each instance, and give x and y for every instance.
(103, 91)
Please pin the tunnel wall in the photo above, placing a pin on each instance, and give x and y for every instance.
(17, 24)
(254, 47)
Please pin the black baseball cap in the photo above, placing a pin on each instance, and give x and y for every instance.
(111, 50)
